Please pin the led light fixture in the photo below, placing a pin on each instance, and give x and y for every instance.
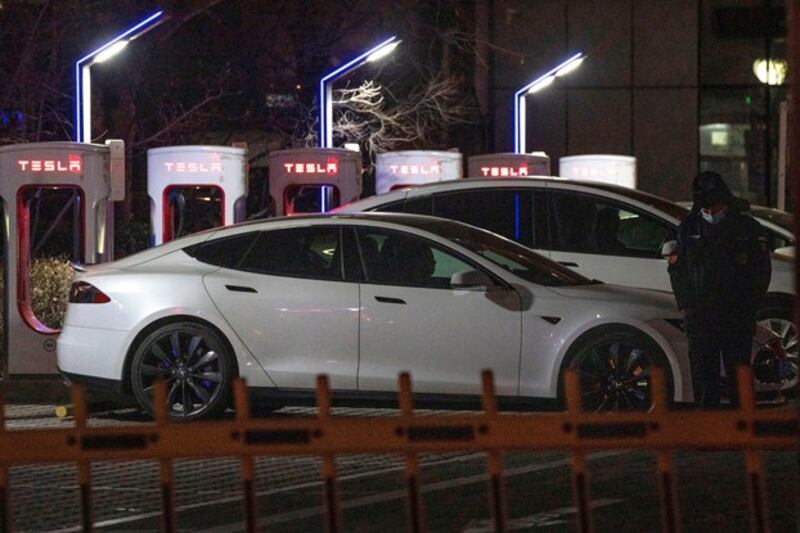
(536, 85)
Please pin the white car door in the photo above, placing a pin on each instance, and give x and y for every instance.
(609, 241)
(288, 302)
(412, 320)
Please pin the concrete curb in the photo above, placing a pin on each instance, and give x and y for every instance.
(34, 391)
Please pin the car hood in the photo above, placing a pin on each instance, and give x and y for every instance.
(661, 303)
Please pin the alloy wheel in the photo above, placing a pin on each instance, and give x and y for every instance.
(787, 331)
(614, 375)
(189, 366)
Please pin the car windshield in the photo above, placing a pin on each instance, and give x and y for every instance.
(506, 254)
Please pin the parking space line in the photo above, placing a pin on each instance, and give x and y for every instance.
(401, 494)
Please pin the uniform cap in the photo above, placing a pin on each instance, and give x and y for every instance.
(710, 189)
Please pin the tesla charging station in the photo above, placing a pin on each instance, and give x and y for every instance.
(508, 165)
(614, 169)
(58, 204)
(313, 180)
(193, 188)
(408, 168)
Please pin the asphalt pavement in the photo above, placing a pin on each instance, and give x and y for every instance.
(454, 487)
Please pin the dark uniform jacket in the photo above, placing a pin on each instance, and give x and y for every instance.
(721, 270)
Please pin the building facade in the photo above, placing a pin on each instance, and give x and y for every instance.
(674, 83)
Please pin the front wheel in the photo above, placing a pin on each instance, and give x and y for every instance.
(614, 367)
(195, 364)
(779, 320)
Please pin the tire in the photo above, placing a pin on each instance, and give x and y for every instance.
(613, 364)
(198, 383)
(779, 318)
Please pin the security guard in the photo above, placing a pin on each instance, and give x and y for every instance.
(719, 273)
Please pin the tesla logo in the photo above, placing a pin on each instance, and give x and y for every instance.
(404, 170)
(192, 166)
(330, 167)
(521, 170)
(73, 164)
(592, 172)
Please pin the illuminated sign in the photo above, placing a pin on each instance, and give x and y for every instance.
(330, 167)
(72, 164)
(192, 166)
(501, 171)
(416, 170)
(594, 172)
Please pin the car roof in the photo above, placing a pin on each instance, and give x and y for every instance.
(407, 219)
(659, 203)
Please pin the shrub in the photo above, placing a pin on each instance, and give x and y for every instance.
(51, 278)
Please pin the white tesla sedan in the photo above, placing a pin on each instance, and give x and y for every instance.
(601, 231)
(361, 298)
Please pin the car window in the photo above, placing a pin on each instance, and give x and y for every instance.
(420, 205)
(588, 224)
(507, 254)
(310, 252)
(395, 258)
(507, 212)
(775, 240)
(225, 252)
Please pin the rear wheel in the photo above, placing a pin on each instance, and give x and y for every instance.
(195, 364)
(614, 367)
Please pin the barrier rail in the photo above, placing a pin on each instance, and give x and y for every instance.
(327, 436)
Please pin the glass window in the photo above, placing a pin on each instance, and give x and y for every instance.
(590, 225)
(393, 258)
(507, 212)
(420, 205)
(515, 258)
(311, 198)
(775, 240)
(733, 139)
(311, 252)
(225, 252)
(191, 208)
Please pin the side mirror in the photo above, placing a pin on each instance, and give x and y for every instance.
(471, 280)
(669, 248)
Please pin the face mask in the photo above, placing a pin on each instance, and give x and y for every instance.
(712, 218)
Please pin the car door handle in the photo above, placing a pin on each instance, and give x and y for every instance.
(568, 264)
(240, 288)
(387, 300)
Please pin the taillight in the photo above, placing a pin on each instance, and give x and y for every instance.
(85, 293)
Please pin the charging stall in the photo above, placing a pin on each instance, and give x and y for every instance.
(58, 208)
(193, 188)
(409, 168)
(508, 165)
(313, 180)
(614, 169)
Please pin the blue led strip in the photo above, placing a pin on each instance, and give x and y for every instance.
(133, 32)
(325, 93)
(519, 103)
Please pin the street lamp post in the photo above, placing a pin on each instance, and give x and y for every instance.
(326, 84)
(83, 78)
(536, 85)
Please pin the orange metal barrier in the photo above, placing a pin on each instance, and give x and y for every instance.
(327, 436)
